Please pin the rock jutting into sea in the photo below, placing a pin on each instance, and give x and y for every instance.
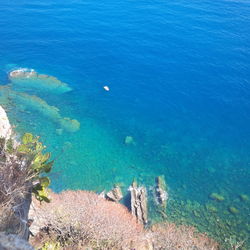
(161, 191)
(27, 79)
(217, 197)
(139, 203)
(115, 194)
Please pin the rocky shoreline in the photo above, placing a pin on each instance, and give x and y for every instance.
(82, 219)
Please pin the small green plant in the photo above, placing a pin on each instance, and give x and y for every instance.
(10, 146)
(32, 150)
(23, 168)
(51, 246)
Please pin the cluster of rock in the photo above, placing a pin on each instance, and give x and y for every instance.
(139, 199)
(161, 193)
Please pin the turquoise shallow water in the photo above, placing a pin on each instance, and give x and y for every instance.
(179, 85)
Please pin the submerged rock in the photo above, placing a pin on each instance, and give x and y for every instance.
(233, 210)
(211, 208)
(59, 131)
(37, 104)
(115, 194)
(244, 197)
(217, 197)
(129, 140)
(139, 203)
(70, 125)
(25, 80)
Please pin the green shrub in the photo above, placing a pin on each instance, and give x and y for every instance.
(23, 166)
(38, 163)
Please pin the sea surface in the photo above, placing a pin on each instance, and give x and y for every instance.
(178, 103)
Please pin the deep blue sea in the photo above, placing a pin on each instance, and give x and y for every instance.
(178, 74)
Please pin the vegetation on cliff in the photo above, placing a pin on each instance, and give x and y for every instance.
(21, 167)
(85, 220)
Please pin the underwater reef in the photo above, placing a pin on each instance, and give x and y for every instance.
(18, 93)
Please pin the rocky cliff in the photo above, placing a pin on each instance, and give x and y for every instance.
(15, 195)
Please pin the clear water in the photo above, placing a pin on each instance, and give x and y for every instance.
(178, 73)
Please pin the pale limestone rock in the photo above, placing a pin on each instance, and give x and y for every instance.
(139, 203)
(102, 194)
(5, 127)
(37, 221)
(115, 194)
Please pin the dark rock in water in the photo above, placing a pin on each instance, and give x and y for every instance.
(13, 242)
(139, 203)
(161, 191)
(115, 194)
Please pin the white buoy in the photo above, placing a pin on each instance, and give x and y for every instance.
(106, 88)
